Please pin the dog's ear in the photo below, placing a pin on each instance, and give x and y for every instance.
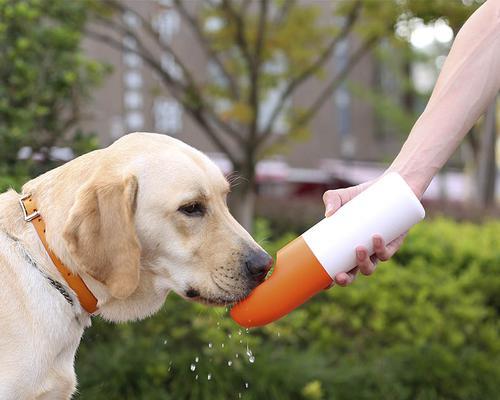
(100, 233)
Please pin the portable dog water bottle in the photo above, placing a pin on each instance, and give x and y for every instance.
(309, 263)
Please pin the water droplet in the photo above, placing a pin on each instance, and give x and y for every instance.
(229, 363)
(236, 355)
(165, 341)
(246, 385)
(227, 309)
(210, 345)
(209, 376)
(196, 359)
(241, 341)
(193, 367)
(239, 395)
(279, 334)
(247, 331)
(196, 377)
(229, 336)
(239, 332)
(250, 355)
(222, 345)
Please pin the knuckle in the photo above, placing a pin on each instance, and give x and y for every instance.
(366, 270)
(383, 256)
(369, 267)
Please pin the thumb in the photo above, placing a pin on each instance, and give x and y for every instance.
(332, 200)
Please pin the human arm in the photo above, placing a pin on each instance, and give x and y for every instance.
(469, 81)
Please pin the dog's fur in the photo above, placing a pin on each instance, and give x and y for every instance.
(115, 216)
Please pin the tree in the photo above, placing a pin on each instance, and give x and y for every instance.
(44, 76)
(257, 48)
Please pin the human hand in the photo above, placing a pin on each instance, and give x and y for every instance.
(366, 264)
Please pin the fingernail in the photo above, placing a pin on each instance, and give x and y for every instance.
(378, 241)
(360, 253)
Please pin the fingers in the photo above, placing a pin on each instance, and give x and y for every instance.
(381, 252)
(334, 199)
(346, 278)
(394, 246)
(366, 263)
(379, 248)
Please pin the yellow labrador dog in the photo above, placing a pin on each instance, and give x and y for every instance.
(136, 220)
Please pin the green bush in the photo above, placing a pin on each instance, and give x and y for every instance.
(13, 179)
(425, 326)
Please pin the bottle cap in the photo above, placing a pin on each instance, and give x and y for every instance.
(297, 276)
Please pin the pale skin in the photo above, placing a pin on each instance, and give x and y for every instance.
(469, 81)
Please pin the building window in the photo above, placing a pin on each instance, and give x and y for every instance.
(342, 101)
(167, 116)
(267, 107)
(213, 24)
(167, 23)
(277, 67)
(135, 120)
(129, 42)
(216, 75)
(132, 100)
(132, 60)
(116, 127)
(131, 19)
(169, 65)
(133, 80)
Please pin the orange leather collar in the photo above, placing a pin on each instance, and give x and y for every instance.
(31, 214)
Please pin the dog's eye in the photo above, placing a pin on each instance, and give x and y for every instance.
(193, 209)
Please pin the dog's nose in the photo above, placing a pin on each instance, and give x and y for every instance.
(258, 263)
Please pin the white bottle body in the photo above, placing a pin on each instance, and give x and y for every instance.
(387, 208)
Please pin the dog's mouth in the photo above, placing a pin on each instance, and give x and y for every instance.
(216, 301)
(227, 299)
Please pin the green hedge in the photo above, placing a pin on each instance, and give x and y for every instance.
(13, 179)
(425, 326)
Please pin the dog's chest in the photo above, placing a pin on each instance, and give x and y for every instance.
(40, 332)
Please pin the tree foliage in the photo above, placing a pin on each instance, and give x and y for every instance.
(425, 326)
(44, 76)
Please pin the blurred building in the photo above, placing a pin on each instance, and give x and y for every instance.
(345, 146)
(133, 98)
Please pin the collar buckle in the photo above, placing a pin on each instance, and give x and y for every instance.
(28, 217)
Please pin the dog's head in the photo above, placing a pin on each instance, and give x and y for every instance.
(157, 206)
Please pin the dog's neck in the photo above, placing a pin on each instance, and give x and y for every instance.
(24, 237)
(54, 203)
